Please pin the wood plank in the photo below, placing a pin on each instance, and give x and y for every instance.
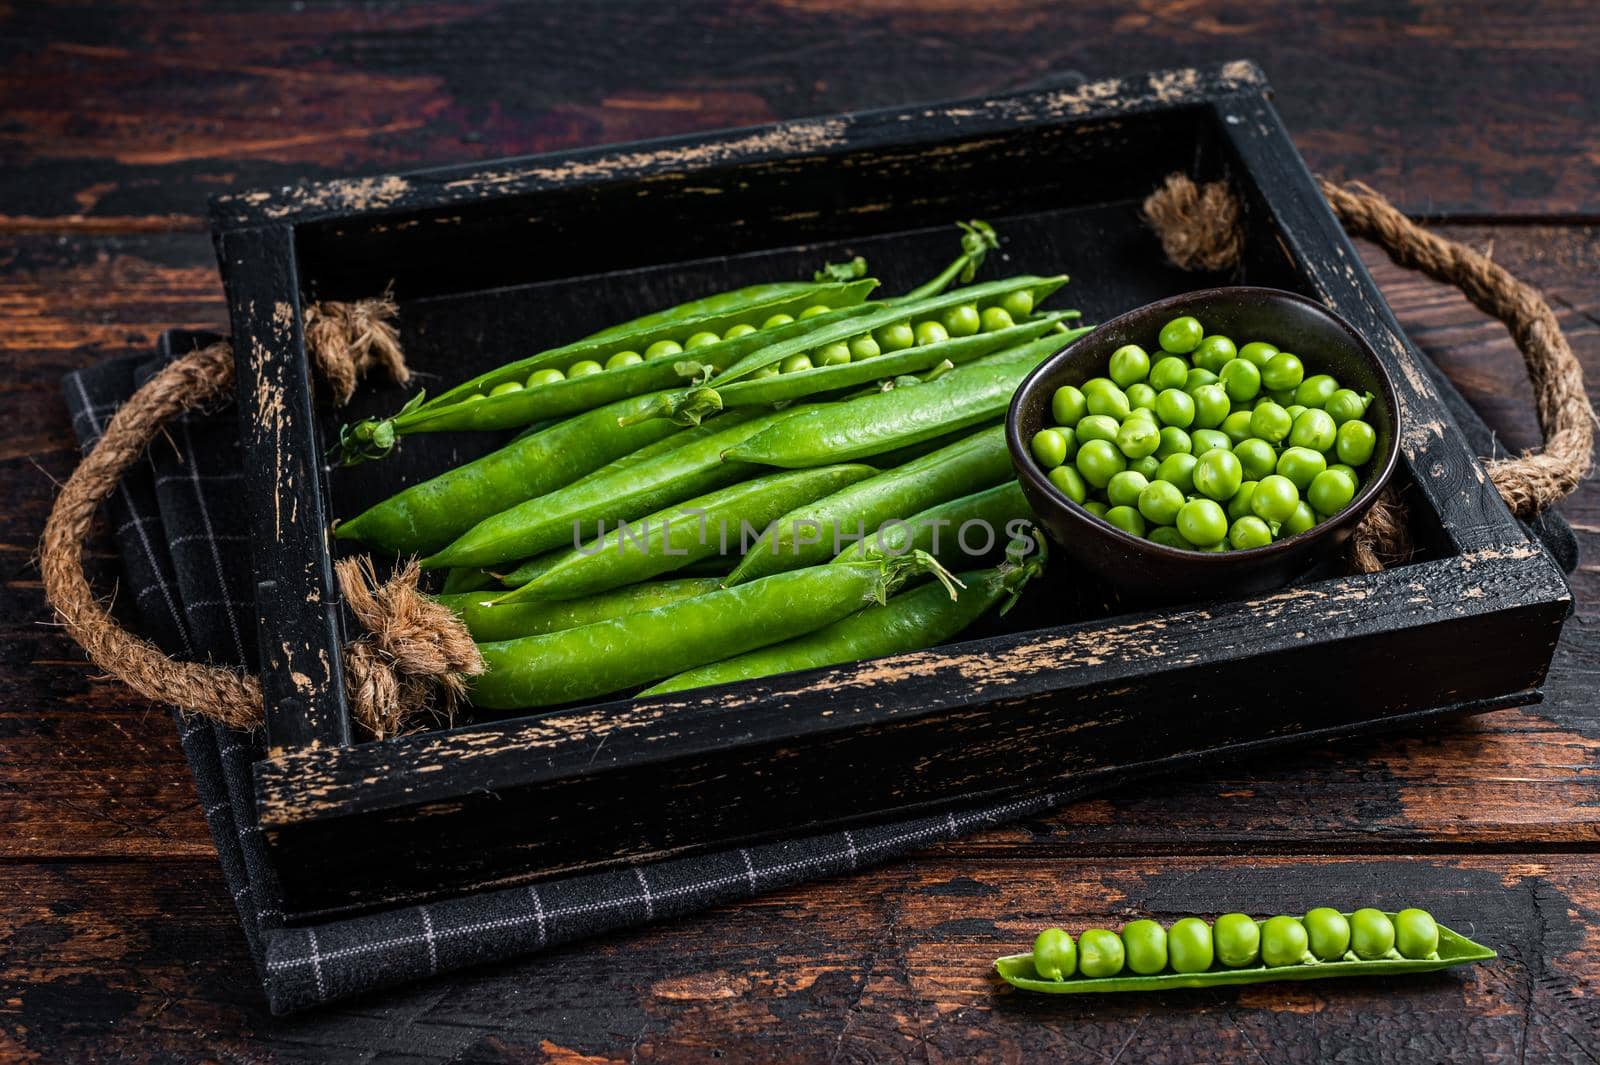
(1446, 114)
(890, 964)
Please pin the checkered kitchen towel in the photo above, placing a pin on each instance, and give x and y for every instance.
(187, 567)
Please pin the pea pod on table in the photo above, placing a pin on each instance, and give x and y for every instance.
(669, 539)
(426, 516)
(1240, 950)
(625, 652)
(940, 530)
(570, 515)
(967, 395)
(807, 535)
(911, 621)
(489, 622)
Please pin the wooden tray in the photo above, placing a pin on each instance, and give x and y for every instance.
(494, 260)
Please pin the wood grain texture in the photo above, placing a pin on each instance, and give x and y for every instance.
(131, 113)
(117, 938)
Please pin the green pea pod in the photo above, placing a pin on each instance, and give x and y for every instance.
(912, 621)
(669, 539)
(944, 530)
(621, 653)
(814, 533)
(690, 405)
(468, 580)
(888, 314)
(426, 516)
(967, 395)
(1453, 949)
(490, 623)
(569, 515)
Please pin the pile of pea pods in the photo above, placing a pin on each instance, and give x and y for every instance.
(746, 484)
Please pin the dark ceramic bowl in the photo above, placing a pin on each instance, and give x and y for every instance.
(1147, 571)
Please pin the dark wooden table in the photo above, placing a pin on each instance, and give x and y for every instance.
(117, 936)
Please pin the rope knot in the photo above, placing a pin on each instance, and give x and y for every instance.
(348, 340)
(1199, 225)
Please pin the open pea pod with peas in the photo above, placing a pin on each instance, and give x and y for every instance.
(1238, 949)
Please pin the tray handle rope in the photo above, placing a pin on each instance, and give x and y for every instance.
(1200, 229)
(414, 657)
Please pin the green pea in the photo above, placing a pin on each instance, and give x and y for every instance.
(1330, 492)
(734, 332)
(765, 371)
(585, 367)
(931, 333)
(1095, 507)
(624, 358)
(1258, 353)
(1281, 396)
(1218, 474)
(1138, 437)
(1160, 502)
(1168, 372)
(1239, 506)
(1416, 934)
(1256, 456)
(1211, 406)
(1241, 380)
(1100, 953)
(1182, 335)
(1249, 531)
(1049, 448)
(1145, 944)
(1179, 470)
(1355, 442)
(1067, 405)
(1189, 945)
(1316, 391)
(1214, 353)
(1314, 429)
(815, 310)
(1274, 499)
(1069, 482)
(1054, 956)
(1294, 411)
(1304, 519)
(1209, 440)
(1329, 933)
(1238, 940)
(1097, 427)
(864, 347)
(1198, 376)
(1129, 365)
(1018, 304)
(994, 319)
(1237, 426)
(1111, 401)
(897, 337)
(1282, 371)
(1167, 536)
(777, 320)
(661, 348)
(701, 339)
(1283, 942)
(835, 354)
(1348, 471)
(505, 387)
(1123, 489)
(1202, 523)
(548, 376)
(962, 320)
(1371, 933)
(1145, 467)
(1174, 441)
(1301, 465)
(1141, 397)
(1127, 519)
(1346, 405)
(796, 363)
(1099, 461)
(1175, 408)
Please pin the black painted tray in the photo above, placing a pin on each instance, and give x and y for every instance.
(1064, 690)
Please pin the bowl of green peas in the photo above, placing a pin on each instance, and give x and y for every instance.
(1218, 443)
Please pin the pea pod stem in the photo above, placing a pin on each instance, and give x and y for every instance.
(978, 239)
(626, 652)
